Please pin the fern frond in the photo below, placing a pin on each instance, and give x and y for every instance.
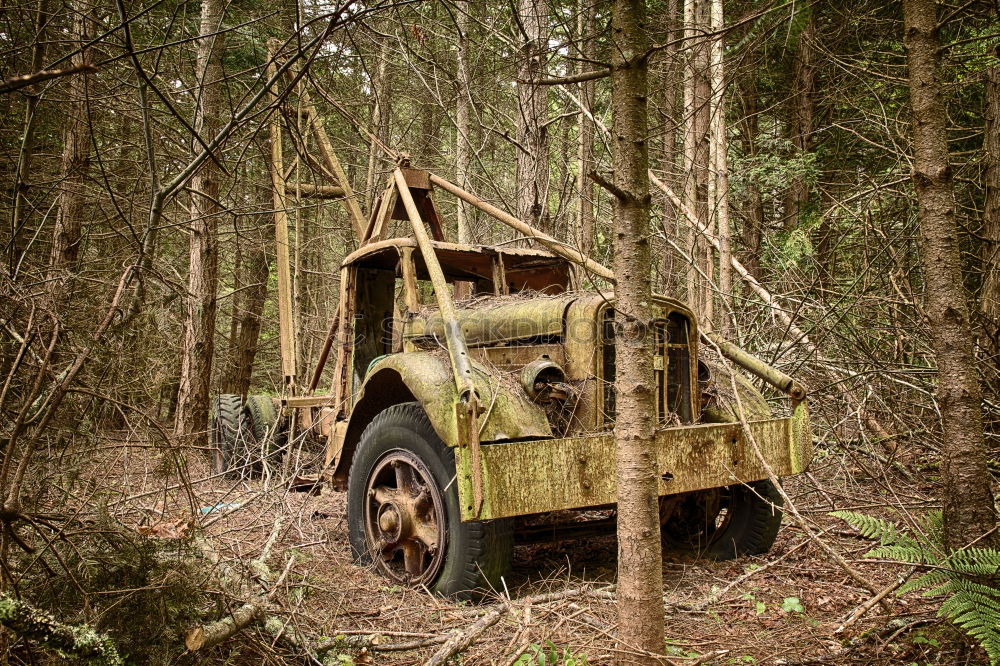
(932, 579)
(908, 553)
(874, 528)
(963, 576)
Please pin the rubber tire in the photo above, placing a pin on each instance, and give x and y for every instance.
(227, 430)
(753, 526)
(261, 420)
(477, 554)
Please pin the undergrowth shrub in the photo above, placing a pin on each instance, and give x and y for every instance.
(966, 578)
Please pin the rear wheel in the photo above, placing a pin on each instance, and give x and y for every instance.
(723, 523)
(228, 433)
(267, 437)
(403, 512)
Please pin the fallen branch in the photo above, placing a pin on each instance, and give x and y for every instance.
(868, 605)
(76, 641)
(210, 635)
(462, 640)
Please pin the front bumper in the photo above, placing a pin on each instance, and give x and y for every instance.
(541, 475)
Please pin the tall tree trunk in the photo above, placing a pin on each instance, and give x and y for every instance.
(967, 497)
(199, 323)
(673, 116)
(26, 153)
(248, 307)
(532, 134)
(800, 126)
(991, 211)
(585, 26)
(753, 206)
(640, 574)
(75, 159)
(697, 93)
(463, 125)
(380, 119)
(720, 171)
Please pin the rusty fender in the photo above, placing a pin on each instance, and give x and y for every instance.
(424, 377)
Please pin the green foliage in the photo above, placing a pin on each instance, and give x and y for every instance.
(792, 605)
(548, 654)
(966, 578)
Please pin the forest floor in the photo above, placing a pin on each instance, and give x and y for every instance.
(781, 608)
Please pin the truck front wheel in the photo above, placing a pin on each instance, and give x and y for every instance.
(723, 523)
(403, 513)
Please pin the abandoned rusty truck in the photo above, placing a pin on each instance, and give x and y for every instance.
(473, 399)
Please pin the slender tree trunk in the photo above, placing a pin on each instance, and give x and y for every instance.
(697, 111)
(991, 211)
(720, 171)
(75, 159)
(532, 134)
(967, 497)
(248, 308)
(640, 575)
(673, 104)
(380, 119)
(585, 27)
(463, 125)
(800, 125)
(27, 151)
(199, 323)
(753, 206)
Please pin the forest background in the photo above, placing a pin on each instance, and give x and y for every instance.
(138, 253)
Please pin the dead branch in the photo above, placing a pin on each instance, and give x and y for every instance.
(462, 640)
(25, 80)
(868, 605)
(210, 635)
(790, 507)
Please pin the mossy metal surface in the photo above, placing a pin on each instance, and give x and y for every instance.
(549, 475)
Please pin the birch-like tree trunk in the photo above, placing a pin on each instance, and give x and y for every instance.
(720, 170)
(967, 497)
(640, 575)
(672, 167)
(532, 134)
(200, 306)
(753, 206)
(697, 94)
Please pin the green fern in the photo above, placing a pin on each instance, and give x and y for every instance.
(965, 577)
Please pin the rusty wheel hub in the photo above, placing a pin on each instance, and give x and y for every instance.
(404, 518)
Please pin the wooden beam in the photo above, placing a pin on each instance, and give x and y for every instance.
(285, 333)
(557, 247)
(330, 159)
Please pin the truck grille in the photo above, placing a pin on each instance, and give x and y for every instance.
(671, 369)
